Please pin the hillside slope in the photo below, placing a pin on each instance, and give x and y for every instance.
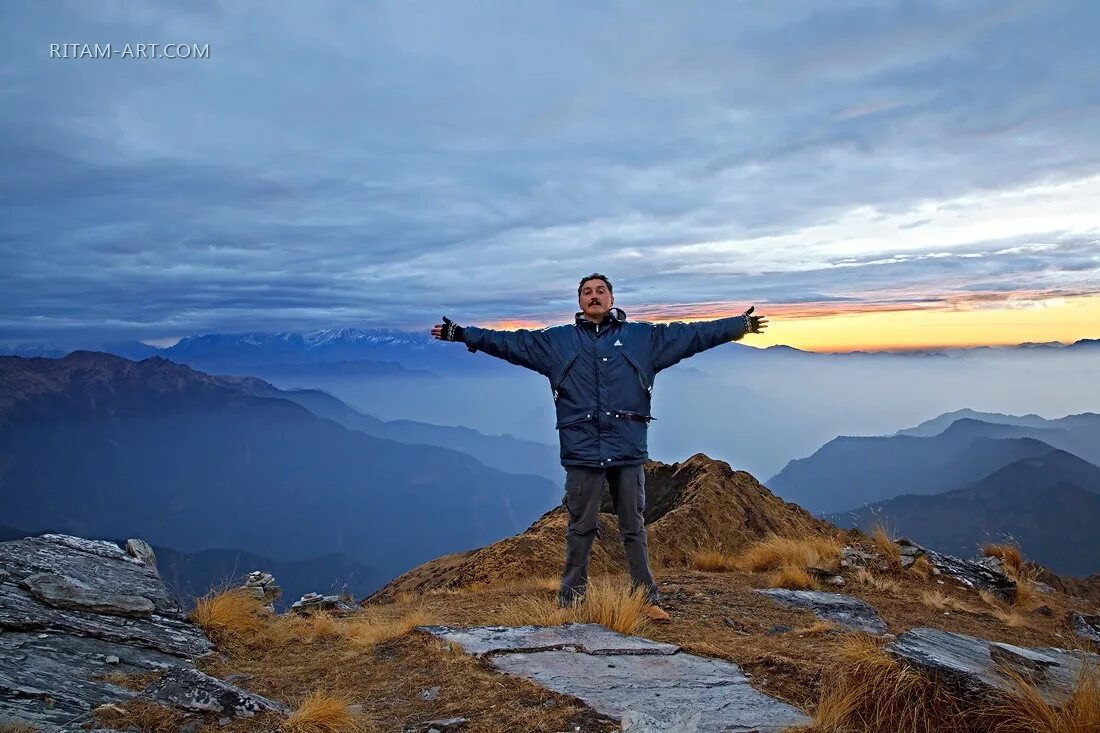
(696, 504)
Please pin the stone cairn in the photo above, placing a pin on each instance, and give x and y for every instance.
(262, 586)
(312, 602)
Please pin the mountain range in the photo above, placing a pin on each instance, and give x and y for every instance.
(97, 445)
(849, 472)
(1048, 504)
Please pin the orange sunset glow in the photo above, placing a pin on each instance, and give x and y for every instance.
(981, 320)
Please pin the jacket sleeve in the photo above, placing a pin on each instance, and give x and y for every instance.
(523, 347)
(671, 342)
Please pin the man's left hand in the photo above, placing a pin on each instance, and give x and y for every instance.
(754, 324)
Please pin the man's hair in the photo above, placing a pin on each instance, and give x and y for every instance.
(595, 276)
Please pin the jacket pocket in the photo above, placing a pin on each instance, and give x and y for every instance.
(574, 419)
(643, 378)
(559, 375)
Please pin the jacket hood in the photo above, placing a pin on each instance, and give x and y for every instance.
(615, 314)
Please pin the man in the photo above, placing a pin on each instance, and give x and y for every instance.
(601, 370)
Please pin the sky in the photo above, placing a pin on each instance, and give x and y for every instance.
(869, 175)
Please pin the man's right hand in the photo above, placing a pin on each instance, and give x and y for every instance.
(447, 331)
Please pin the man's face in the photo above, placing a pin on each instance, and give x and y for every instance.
(595, 299)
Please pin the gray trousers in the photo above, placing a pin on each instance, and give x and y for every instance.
(583, 496)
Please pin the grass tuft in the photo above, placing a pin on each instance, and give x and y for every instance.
(1024, 709)
(231, 614)
(865, 577)
(323, 712)
(922, 567)
(370, 628)
(792, 578)
(1012, 559)
(713, 561)
(1009, 616)
(1009, 555)
(871, 692)
(773, 553)
(608, 601)
(942, 602)
(884, 545)
(140, 714)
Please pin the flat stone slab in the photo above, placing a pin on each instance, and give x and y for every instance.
(61, 591)
(978, 664)
(839, 608)
(629, 675)
(587, 638)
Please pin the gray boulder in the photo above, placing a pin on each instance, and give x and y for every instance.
(190, 689)
(975, 574)
(141, 550)
(978, 665)
(1086, 627)
(842, 609)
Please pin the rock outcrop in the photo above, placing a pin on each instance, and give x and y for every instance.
(73, 611)
(979, 666)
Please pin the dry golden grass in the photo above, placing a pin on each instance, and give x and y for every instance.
(1026, 595)
(1006, 615)
(884, 545)
(792, 578)
(943, 602)
(1009, 555)
(872, 693)
(818, 628)
(773, 553)
(1012, 559)
(545, 583)
(608, 601)
(323, 712)
(230, 613)
(922, 567)
(369, 628)
(299, 629)
(882, 584)
(140, 714)
(1025, 710)
(713, 561)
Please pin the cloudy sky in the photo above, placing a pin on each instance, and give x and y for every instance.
(868, 174)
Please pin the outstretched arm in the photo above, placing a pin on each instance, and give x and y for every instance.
(523, 347)
(672, 342)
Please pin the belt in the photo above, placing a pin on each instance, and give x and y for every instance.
(635, 417)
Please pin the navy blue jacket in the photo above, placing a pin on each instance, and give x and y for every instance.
(602, 376)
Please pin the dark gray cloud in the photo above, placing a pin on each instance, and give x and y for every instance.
(377, 164)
